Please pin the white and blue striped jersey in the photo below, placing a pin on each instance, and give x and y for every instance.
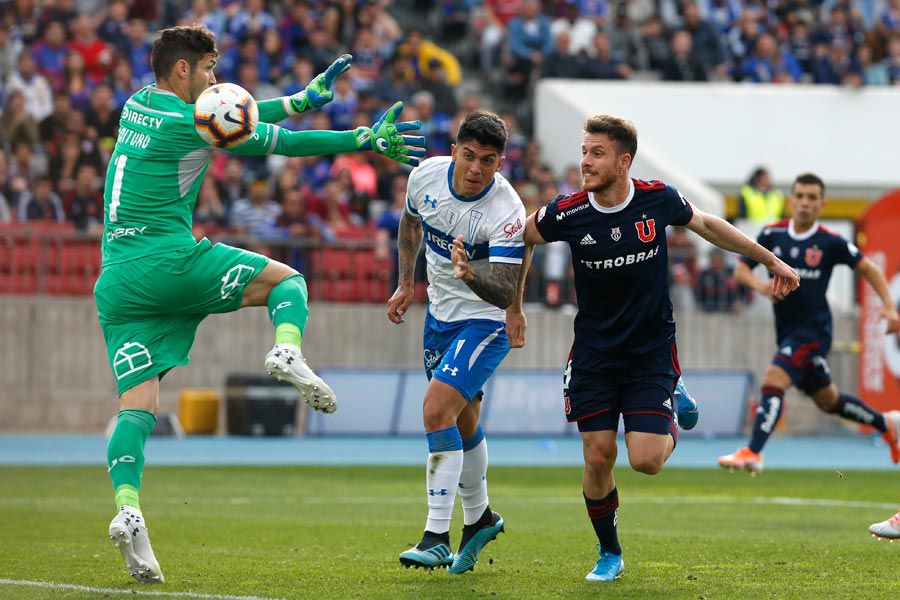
(492, 226)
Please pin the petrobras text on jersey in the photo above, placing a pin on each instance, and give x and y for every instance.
(619, 261)
(140, 118)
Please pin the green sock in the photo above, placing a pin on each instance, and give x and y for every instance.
(289, 310)
(125, 454)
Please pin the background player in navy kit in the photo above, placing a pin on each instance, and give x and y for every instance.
(623, 360)
(803, 323)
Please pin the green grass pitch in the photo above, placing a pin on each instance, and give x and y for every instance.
(325, 532)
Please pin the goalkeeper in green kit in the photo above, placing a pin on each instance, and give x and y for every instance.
(158, 283)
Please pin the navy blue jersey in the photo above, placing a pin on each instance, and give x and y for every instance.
(813, 254)
(621, 267)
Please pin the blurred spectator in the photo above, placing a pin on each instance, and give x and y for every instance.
(683, 252)
(561, 62)
(435, 82)
(435, 126)
(50, 54)
(138, 52)
(603, 65)
(232, 186)
(76, 84)
(248, 78)
(384, 26)
(388, 225)
(873, 73)
(770, 64)
(251, 21)
(367, 59)
(16, 125)
(363, 178)
(257, 214)
(209, 14)
(295, 222)
(102, 123)
(124, 84)
(396, 83)
(419, 52)
(71, 155)
(892, 62)
(37, 92)
(43, 204)
(333, 207)
(759, 201)
(623, 35)
(10, 49)
(343, 108)
(322, 49)
(294, 27)
(579, 30)
(654, 51)
(801, 47)
(717, 290)
(706, 48)
(209, 209)
(114, 28)
(5, 213)
(529, 41)
(85, 200)
(683, 65)
(97, 55)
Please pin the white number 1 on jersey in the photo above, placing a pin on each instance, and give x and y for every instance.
(117, 187)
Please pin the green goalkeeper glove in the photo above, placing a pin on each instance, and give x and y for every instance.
(318, 93)
(384, 138)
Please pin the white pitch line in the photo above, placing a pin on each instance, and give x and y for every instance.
(96, 590)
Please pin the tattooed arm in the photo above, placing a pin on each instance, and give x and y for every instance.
(409, 239)
(497, 288)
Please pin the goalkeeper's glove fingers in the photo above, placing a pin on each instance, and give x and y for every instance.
(384, 137)
(318, 93)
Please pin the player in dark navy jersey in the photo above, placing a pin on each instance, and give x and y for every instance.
(623, 360)
(803, 323)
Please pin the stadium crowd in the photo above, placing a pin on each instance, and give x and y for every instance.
(67, 67)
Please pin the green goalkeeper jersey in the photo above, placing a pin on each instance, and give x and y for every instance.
(159, 161)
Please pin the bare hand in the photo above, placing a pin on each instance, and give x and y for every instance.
(460, 260)
(893, 320)
(786, 279)
(399, 303)
(516, 323)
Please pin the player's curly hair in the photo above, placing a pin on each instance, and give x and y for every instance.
(483, 127)
(188, 42)
(619, 129)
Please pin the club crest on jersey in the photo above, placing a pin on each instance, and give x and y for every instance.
(813, 256)
(429, 200)
(616, 234)
(646, 229)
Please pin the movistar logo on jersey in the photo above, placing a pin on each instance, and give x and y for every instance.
(619, 261)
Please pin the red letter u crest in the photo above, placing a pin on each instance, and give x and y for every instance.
(646, 230)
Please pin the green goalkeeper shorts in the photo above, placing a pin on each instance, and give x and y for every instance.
(150, 308)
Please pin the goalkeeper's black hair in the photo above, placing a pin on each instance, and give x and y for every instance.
(189, 42)
(483, 127)
(809, 179)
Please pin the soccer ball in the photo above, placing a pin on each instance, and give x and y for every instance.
(225, 115)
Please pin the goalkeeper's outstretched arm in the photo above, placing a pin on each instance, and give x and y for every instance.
(384, 137)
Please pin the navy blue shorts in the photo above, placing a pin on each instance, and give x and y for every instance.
(464, 354)
(804, 362)
(639, 389)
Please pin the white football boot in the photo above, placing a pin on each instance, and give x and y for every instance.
(889, 529)
(285, 362)
(128, 531)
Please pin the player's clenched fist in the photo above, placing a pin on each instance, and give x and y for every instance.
(460, 260)
(399, 303)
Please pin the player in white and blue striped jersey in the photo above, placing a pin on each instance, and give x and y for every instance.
(472, 222)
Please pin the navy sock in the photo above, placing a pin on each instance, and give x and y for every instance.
(603, 518)
(767, 415)
(854, 409)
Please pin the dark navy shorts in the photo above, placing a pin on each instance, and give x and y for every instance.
(804, 362)
(639, 389)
